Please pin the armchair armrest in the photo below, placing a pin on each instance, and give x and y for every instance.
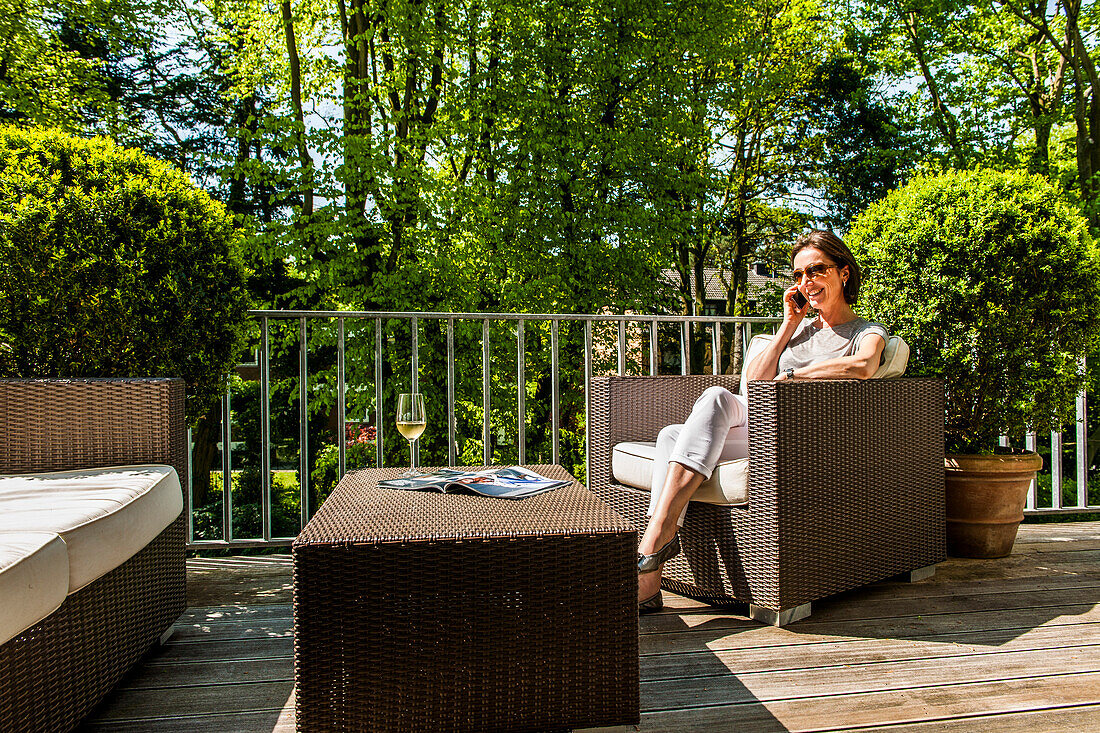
(846, 480)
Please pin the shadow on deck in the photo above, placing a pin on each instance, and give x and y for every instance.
(1002, 645)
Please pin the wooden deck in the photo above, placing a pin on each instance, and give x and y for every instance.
(1006, 645)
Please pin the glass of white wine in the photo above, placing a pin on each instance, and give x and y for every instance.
(411, 421)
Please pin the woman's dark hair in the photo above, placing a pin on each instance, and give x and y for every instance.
(832, 247)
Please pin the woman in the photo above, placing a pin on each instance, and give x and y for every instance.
(836, 344)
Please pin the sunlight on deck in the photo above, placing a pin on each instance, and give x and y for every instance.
(1007, 646)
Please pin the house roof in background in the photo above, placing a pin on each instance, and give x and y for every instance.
(715, 290)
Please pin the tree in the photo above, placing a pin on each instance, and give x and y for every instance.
(115, 264)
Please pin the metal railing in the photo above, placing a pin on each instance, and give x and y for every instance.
(634, 348)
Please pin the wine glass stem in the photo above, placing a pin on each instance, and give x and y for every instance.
(412, 465)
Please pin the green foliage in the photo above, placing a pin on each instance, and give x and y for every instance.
(114, 264)
(994, 282)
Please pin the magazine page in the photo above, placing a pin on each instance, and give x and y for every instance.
(503, 483)
(506, 483)
(434, 481)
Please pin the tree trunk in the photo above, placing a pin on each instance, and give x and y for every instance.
(205, 437)
(304, 158)
(942, 115)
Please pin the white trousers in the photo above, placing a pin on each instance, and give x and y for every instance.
(709, 435)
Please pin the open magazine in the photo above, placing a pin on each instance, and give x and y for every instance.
(502, 483)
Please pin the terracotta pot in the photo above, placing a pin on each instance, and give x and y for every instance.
(985, 501)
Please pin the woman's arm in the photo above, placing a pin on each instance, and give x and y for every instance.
(861, 365)
(766, 364)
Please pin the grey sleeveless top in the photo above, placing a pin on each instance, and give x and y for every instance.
(811, 344)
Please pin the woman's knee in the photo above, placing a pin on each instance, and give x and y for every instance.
(715, 398)
(720, 400)
(668, 435)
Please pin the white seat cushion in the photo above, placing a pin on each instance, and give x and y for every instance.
(34, 579)
(632, 465)
(105, 515)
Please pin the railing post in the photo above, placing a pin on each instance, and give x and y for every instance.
(622, 347)
(265, 430)
(341, 397)
(685, 348)
(1055, 470)
(189, 505)
(378, 421)
(1082, 445)
(521, 396)
(227, 468)
(653, 347)
(715, 346)
(555, 396)
(486, 447)
(587, 403)
(451, 392)
(303, 413)
(414, 446)
(1032, 491)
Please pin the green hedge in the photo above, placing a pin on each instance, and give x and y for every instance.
(114, 264)
(993, 280)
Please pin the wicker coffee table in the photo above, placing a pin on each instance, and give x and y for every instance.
(417, 611)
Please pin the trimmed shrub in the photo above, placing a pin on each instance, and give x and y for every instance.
(114, 264)
(994, 282)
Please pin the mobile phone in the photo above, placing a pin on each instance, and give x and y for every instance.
(799, 299)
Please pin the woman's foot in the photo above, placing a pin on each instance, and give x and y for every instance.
(649, 571)
(648, 585)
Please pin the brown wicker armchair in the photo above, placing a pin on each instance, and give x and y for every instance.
(56, 671)
(845, 487)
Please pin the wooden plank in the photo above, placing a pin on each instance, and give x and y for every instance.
(244, 581)
(1063, 720)
(145, 704)
(886, 600)
(947, 628)
(1055, 532)
(233, 614)
(268, 721)
(793, 684)
(719, 632)
(191, 674)
(239, 629)
(883, 708)
(225, 650)
(273, 720)
(851, 652)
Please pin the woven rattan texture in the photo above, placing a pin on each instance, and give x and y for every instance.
(845, 485)
(63, 424)
(357, 511)
(512, 631)
(55, 672)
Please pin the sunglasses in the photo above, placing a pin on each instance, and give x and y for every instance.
(812, 272)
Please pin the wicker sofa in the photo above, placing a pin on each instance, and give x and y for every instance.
(845, 486)
(91, 558)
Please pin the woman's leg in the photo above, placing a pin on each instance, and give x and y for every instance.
(680, 483)
(690, 452)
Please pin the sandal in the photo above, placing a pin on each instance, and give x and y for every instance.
(654, 603)
(652, 563)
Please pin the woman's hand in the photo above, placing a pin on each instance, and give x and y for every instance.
(791, 309)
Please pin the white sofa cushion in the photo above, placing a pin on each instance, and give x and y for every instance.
(105, 515)
(632, 465)
(34, 579)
